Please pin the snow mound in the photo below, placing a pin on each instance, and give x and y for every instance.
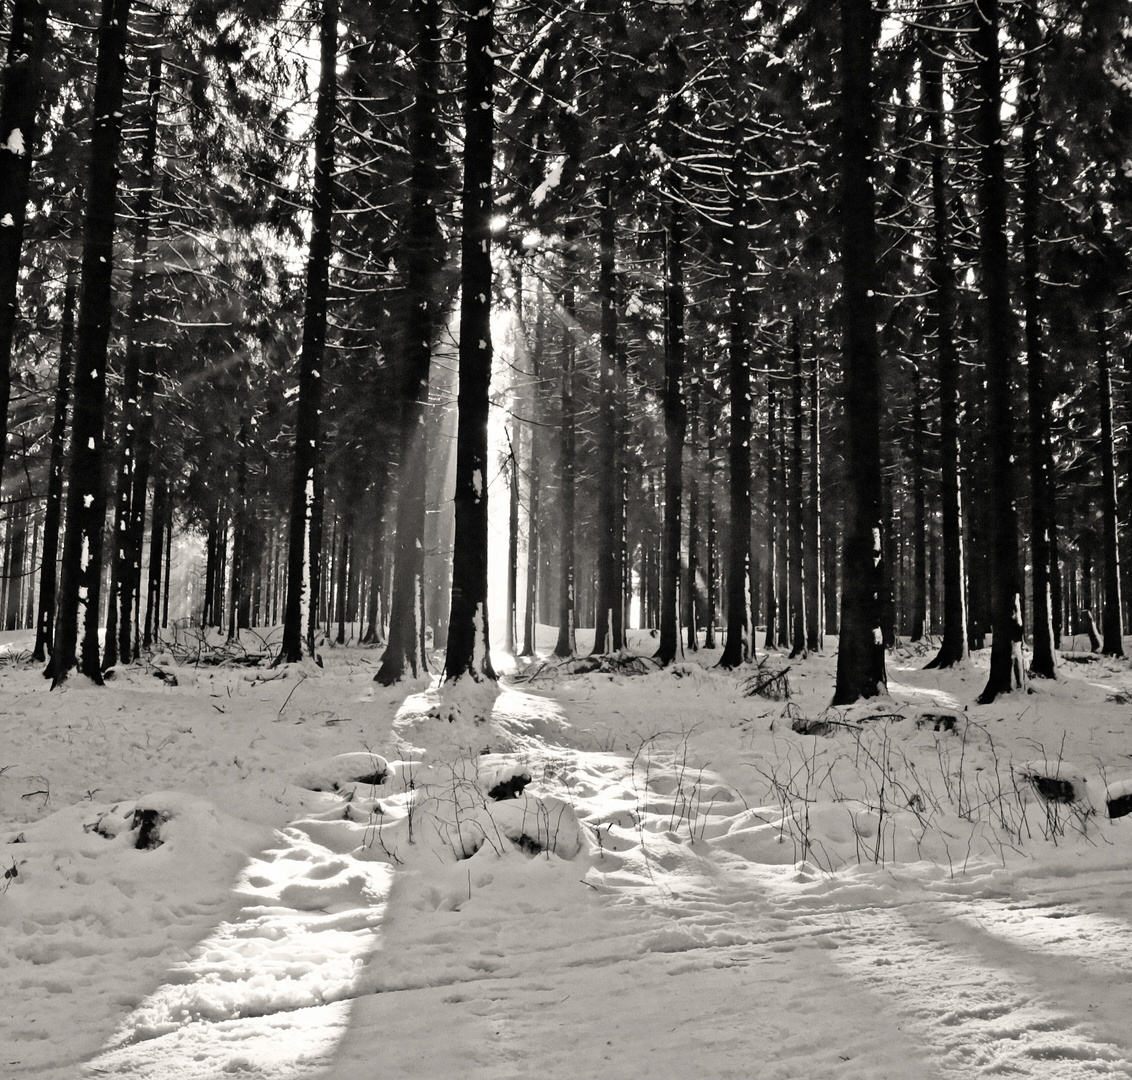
(343, 771)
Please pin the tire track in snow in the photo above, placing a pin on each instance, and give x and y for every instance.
(974, 1017)
(979, 1019)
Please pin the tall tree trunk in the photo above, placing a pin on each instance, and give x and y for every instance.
(566, 645)
(864, 623)
(773, 508)
(1006, 669)
(316, 603)
(1043, 662)
(17, 531)
(782, 559)
(124, 566)
(81, 571)
(468, 638)
(156, 547)
(1112, 620)
(675, 410)
(815, 623)
(512, 550)
(45, 619)
(691, 612)
(609, 575)
(953, 648)
(737, 647)
(919, 512)
(713, 589)
(404, 651)
(797, 506)
(345, 555)
(301, 573)
(19, 106)
(534, 549)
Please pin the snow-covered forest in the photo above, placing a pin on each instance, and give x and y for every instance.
(508, 508)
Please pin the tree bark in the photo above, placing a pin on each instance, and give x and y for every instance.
(156, 548)
(675, 413)
(919, 513)
(566, 645)
(690, 590)
(81, 571)
(737, 646)
(534, 548)
(954, 646)
(1006, 668)
(797, 507)
(815, 621)
(512, 551)
(607, 630)
(1112, 630)
(1043, 662)
(712, 583)
(469, 652)
(773, 505)
(864, 623)
(301, 572)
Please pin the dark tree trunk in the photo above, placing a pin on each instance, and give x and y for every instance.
(512, 553)
(953, 647)
(737, 647)
(691, 614)
(239, 570)
(566, 645)
(815, 621)
(1056, 597)
(797, 507)
(17, 534)
(345, 554)
(1112, 619)
(404, 651)
(675, 421)
(773, 504)
(81, 572)
(156, 547)
(468, 638)
(19, 108)
(45, 620)
(919, 513)
(782, 559)
(1043, 663)
(316, 609)
(1006, 669)
(308, 422)
(607, 638)
(864, 624)
(1083, 621)
(534, 548)
(713, 590)
(125, 563)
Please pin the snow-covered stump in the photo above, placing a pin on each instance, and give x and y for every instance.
(1062, 790)
(1118, 799)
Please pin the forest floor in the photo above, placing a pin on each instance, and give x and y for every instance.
(213, 868)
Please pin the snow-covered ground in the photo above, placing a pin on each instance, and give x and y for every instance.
(297, 873)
